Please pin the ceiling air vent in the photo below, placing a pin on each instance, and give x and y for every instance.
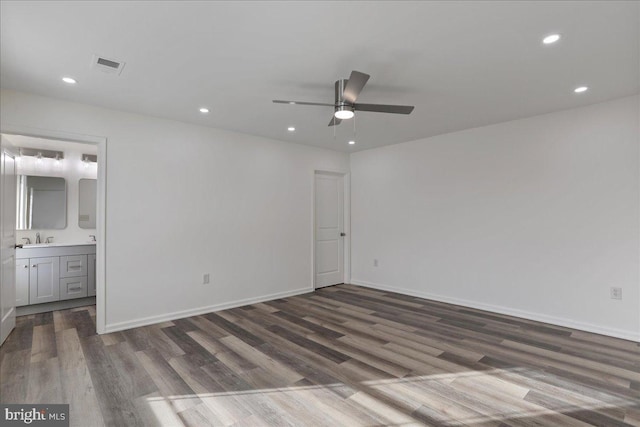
(107, 65)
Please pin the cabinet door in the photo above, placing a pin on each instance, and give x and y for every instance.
(73, 287)
(44, 280)
(22, 282)
(91, 274)
(73, 266)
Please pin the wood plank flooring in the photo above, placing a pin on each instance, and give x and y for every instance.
(341, 356)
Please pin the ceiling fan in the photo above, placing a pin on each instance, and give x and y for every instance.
(347, 91)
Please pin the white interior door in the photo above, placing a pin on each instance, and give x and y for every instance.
(8, 241)
(329, 229)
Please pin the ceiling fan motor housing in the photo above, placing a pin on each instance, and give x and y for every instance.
(340, 85)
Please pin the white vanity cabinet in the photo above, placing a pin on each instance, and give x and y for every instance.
(44, 275)
(23, 268)
(47, 273)
(37, 280)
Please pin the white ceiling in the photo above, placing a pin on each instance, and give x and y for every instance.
(462, 64)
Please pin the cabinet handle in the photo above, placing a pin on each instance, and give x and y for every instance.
(26, 266)
(75, 289)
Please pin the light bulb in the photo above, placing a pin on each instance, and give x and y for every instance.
(344, 114)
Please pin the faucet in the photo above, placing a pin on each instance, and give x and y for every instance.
(93, 238)
(38, 238)
(49, 240)
(27, 239)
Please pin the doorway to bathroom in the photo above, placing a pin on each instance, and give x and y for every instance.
(58, 212)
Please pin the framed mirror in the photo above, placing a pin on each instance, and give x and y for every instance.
(87, 203)
(41, 203)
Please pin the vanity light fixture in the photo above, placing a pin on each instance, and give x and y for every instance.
(87, 159)
(42, 154)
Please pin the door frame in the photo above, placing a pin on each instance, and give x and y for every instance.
(346, 220)
(101, 208)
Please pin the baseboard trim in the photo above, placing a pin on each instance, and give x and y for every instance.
(558, 321)
(145, 321)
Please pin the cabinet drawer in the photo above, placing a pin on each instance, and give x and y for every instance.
(73, 287)
(73, 266)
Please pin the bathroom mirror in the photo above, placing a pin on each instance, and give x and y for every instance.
(87, 203)
(42, 203)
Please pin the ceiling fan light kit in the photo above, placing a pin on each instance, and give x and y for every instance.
(344, 113)
(346, 93)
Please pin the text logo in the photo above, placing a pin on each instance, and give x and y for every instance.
(35, 415)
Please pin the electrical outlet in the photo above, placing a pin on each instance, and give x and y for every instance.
(375, 262)
(206, 278)
(616, 293)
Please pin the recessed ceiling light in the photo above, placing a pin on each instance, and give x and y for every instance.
(552, 38)
(351, 142)
(204, 110)
(580, 89)
(69, 80)
(291, 129)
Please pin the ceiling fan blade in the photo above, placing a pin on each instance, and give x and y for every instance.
(335, 121)
(356, 82)
(279, 101)
(382, 108)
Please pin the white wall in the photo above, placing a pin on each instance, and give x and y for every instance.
(535, 217)
(183, 200)
(72, 169)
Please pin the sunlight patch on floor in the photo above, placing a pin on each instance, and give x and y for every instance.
(451, 398)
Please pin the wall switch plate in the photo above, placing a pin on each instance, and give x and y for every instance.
(375, 262)
(616, 293)
(206, 278)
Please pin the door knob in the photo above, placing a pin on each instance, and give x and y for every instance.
(343, 234)
(34, 266)
(25, 266)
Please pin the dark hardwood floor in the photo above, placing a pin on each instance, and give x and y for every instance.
(342, 356)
